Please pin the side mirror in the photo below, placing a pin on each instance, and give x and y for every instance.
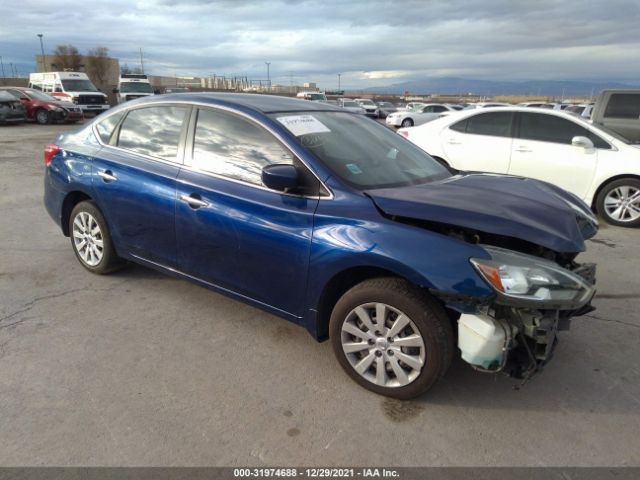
(583, 142)
(280, 177)
(115, 90)
(25, 99)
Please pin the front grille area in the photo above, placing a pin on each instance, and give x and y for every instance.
(91, 99)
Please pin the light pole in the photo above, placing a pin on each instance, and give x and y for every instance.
(268, 76)
(339, 75)
(44, 63)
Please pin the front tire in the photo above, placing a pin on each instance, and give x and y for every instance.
(406, 123)
(43, 117)
(91, 240)
(619, 202)
(391, 337)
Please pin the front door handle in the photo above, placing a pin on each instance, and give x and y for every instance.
(523, 150)
(452, 141)
(193, 201)
(107, 176)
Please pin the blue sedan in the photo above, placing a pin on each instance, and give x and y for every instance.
(331, 221)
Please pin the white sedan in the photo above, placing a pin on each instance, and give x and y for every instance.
(596, 164)
(419, 115)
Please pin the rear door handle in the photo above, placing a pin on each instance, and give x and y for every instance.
(193, 201)
(523, 150)
(451, 141)
(107, 176)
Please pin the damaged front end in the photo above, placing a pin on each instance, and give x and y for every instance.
(515, 332)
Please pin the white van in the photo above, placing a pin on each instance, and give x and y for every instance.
(132, 86)
(619, 110)
(72, 87)
(313, 96)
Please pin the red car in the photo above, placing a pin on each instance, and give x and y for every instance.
(44, 108)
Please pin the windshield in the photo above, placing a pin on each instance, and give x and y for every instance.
(368, 103)
(316, 96)
(135, 87)
(363, 153)
(36, 95)
(350, 104)
(78, 86)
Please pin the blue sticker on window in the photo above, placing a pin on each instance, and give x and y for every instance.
(353, 168)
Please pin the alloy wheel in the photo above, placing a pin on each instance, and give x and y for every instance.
(623, 204)
(383, 345)
(88, 239)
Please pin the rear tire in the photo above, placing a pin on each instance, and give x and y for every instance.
(618, 203)
(402, 354)
(90, 239)
(43, 117)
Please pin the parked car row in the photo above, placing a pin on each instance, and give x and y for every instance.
(21, 104)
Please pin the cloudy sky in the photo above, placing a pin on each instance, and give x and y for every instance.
(370, 42)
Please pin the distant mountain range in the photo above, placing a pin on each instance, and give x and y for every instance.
(457, 86)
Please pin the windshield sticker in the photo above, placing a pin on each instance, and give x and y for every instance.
(303, 124)
(353, 168)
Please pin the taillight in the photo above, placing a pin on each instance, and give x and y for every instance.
(404, 133)
(49, 151)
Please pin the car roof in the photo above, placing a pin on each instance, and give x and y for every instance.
(256, 102)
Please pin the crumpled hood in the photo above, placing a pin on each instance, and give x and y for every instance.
(523, 208)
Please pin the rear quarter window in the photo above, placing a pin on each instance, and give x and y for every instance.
(106, 127)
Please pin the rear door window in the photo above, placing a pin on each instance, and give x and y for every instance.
(153, 131)
(495, 124)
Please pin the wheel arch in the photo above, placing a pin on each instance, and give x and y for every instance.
(340, 283)
(606, 182)
(68, 204)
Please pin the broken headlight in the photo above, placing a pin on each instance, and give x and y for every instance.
(525, 280)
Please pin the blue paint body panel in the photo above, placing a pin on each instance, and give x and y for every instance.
(278, 251)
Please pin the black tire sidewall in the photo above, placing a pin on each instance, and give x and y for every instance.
(110, 260)
(631, 182)
(40, 112)
(428, 316)
(408, 121)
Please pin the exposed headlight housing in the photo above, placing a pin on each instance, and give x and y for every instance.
(525, 280)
